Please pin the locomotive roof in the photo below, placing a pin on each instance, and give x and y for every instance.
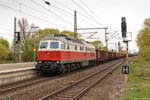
(64, 39)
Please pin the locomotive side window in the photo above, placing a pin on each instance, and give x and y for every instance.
(68, 47)
(62, 46)
(43, 45)
(54, 45)
(75, 47)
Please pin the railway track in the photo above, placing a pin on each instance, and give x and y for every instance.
(5, 90)
(77, 89)
(8, 88)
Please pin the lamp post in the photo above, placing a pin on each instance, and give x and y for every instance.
(48, 3)
(34, 49)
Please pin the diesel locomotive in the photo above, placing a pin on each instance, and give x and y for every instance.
(61, 54)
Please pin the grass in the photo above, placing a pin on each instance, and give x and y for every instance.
(5, 61)
(138, 87)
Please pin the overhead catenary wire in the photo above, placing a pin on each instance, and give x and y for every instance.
(30, 15)
(83, 10)
(41, 12)
(48, 10)
(68, 12)
(83, 20)
(60, 9)
(91, 11)
(87, 13)
(113, 34)
(112, 37)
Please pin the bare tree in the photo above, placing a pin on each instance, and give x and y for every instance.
(25, 30)
(26, 43)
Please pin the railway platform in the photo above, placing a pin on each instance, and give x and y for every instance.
(10, 73)
(13, 66)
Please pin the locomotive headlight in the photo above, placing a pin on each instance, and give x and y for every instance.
(57, 62)
(48, 53)
(35, 63)
(39, 61)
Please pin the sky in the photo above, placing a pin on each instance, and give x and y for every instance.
(90, 14)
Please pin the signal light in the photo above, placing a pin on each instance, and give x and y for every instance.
(126, 49)
(118, 44)
(18, 37)
(123, 27)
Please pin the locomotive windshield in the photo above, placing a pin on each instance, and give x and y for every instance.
(54, 45)
(43, 45)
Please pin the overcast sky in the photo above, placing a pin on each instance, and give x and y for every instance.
(105, 13)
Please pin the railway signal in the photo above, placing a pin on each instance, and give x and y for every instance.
(18, 37)
(118, 44)
(123, 27)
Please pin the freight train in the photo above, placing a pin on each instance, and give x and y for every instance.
(61, 54)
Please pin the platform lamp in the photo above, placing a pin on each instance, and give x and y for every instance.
(48, 3)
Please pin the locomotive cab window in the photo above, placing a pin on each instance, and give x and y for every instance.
(54, 45)
(43, 45)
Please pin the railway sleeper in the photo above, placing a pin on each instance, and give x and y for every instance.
(71, 92)
(65, 96)
(60, 98)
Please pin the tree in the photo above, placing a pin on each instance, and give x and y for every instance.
(120, 49)
(4, 49)
(25, 30)
(4, 42)
(47, 32)
(27, 40)
(98, 44)
(143, 40)
(69, 33)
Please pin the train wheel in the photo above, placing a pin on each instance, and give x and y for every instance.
(64, 70)
(73, 67)
(68, 68)
(77, 66)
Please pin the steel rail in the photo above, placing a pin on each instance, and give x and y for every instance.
(6, 88)
(78, 82)
(96, 82)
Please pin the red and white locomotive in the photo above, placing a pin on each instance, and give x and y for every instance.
(61, 54)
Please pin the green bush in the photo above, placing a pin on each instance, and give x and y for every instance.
(4, 52)
(4, 42)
